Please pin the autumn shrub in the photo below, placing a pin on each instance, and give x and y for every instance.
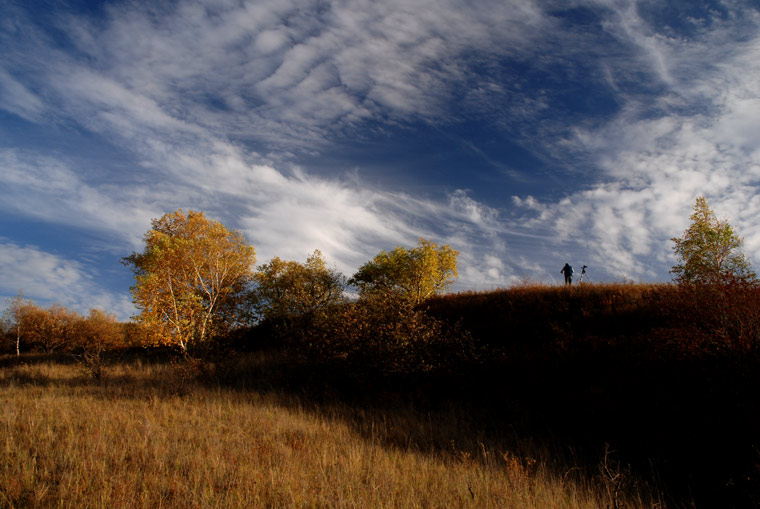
(93, 336)
(386, 333)
(57, 329)
(288, 295)
(51, 329)
(712, 318)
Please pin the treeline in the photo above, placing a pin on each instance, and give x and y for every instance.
(196, 286)
(28, 327)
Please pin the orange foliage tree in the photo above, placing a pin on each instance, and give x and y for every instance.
(191, 278)
(50, 329)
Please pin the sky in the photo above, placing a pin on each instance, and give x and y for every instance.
(523, 133)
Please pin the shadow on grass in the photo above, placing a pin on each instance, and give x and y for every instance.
(689, 427)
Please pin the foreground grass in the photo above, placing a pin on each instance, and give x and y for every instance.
(146, 437)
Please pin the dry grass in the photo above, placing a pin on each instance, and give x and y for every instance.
(143, 437)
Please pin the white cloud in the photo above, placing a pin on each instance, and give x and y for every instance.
(47, 189)
(701, 138)
(49, 278)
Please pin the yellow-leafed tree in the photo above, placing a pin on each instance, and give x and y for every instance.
(191, 279)
(288, 289)
(414, 274)
(710, 251)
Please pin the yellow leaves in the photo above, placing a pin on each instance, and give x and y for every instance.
(289, 289)
(416, 273)
(191, 277)
(709, 251)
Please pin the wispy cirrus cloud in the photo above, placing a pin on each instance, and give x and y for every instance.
(50, 190)
(300, 72)
(18, 99)
(196, 83)
(217, 104)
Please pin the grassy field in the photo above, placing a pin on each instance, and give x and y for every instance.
(148, 435)
(598, 395)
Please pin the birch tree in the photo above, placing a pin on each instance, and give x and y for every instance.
(709, 251)
(191, 279)
(18, 308)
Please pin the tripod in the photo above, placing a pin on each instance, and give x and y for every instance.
(583, 273)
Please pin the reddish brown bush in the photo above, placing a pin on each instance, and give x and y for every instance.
(712, 318)
(50, 329)
(388, 334)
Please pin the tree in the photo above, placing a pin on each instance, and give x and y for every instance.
(415, 274)
(94, 335)
(98, 332)
(287, 290)
(191, 278)
(50, 329)
(710, 251)
(17, 309)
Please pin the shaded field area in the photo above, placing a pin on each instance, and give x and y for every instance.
(149, 434)
(668, 376)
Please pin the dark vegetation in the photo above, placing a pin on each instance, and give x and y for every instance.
(664, 376)
(661, 380)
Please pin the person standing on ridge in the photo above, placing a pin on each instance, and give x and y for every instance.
(567, 270)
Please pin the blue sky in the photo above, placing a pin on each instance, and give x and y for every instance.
(523, 133)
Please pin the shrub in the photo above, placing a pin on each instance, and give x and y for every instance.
(287, 294)
(50, 329)
(93, 336)
(385, 333)
(713, 318)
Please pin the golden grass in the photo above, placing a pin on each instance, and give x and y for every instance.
(143, 437)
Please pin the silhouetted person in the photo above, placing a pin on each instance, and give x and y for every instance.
(567, 270)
